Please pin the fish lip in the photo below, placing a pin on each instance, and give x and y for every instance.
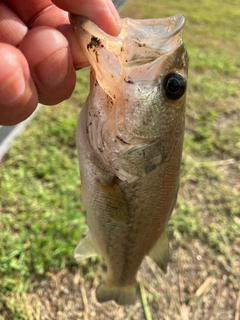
(177, 22)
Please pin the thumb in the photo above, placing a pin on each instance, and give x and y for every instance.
(101, 12)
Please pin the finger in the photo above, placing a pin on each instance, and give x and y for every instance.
(49, 57)
(37, 13)
(43, 13)
(101, 12)
(79, 59)
(18, 95)
(12, 28)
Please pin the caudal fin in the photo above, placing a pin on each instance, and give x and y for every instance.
(121, 295)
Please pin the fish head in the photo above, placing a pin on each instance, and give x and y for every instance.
(143, 70)
(143, 73)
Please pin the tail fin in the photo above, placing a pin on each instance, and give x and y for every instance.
(121, 295)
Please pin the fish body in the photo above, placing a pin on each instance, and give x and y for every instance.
(129, 139)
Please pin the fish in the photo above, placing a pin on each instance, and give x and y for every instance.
(130, 136)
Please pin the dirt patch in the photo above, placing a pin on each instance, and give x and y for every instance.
(195, 287)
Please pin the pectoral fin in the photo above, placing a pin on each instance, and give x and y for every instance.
(160, 252)
(85, 249)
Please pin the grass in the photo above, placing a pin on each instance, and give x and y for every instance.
(42, 216)
(41, 211)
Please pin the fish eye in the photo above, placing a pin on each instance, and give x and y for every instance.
(174, 85)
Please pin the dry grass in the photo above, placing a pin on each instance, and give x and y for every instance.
(186, 292)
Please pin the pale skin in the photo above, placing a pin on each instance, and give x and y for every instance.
(39, 52)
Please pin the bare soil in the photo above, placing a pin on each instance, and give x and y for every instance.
(197, 286)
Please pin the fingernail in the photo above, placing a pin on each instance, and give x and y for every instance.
(13, 88)
(115, 16)
(112, 9)
(54, 69)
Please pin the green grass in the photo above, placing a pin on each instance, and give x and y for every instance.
(42, 216)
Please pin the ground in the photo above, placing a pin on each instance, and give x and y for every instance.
(188, 291)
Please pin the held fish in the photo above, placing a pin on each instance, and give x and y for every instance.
(129, 139)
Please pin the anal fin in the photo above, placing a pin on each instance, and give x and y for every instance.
(85, 249)
(160, 252)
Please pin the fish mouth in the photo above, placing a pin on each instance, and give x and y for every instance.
(158, 35)
(135, 28)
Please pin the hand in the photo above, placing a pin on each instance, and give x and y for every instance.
(39, 51)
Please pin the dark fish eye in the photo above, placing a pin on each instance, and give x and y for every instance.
(174, 85)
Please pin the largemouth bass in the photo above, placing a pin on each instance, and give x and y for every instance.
(129, 139)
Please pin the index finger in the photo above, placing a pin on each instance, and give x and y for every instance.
(38, 12)
(35, 13)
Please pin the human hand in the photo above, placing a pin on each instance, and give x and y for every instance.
(39, 51)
